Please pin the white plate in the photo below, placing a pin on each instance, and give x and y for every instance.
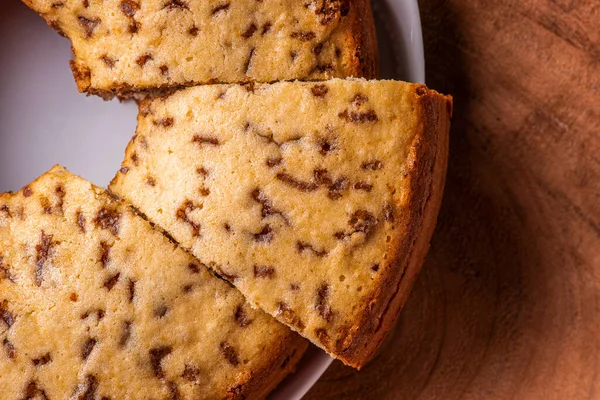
(45, 121)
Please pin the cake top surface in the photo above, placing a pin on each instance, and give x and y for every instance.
(95, 303)
(298, 193)
(129, 45)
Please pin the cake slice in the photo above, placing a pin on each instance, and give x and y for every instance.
(316, 200)
(125, 46)
(96, 304)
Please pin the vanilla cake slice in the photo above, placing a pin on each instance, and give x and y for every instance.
(127, 46)
(316, 200)
(96, 304)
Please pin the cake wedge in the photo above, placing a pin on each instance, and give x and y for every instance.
(96, 304)
(124, 47)
(316, 200)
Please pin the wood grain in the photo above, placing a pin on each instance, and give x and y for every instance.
(508, 303)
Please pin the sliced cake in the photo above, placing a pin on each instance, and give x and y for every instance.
(125, 46)
(96, 304)
(316, 200)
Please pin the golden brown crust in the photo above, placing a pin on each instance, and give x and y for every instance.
(365, 61)
(276, 370)
(428, 162)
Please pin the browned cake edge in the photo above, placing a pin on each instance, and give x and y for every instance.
(362, 38)
(428, 159)
(365, 61)
(256, 385)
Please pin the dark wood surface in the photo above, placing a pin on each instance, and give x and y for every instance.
(508, 303)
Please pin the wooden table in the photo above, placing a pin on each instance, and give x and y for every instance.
(508, 303)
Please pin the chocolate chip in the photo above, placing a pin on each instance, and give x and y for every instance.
(80, 221)
(227, 227)
(105, 253)
(108, 219)
(229, 353)
(60, 194)
(143, 59)
(135, 159)
(86, 390)
(190, 373)
(131, 287)
(272, 162)
(318, 49)
(362, 185)
(129, 8)
(235, 392)
(295, 183)
(219, 8)
(375, 267)
(188, 288)
(362, 221)
(42, 360)
(203, 139)
(134, 27)
(248, 62)
(289, 316)
(126, 333)
(164, 122)
(264, 271)
(295, 286)
(27, 191)
(87, 348)
(321, 305)
(194, 31)
(241, 318)
(265, 235)
(337, 187)
(266, 28)
(267, 208)
(303, 36)
(303, 246)
(174, 393)
(359, 117)
(359, 99)
(326, 146)
(319, 90)
(372, 165)
(4, 209)
(249, 31)
(161, 311)
(88, 25)
(43, 251)
(321, 176)
(176, 4)
(322, 335)
(112, 281)
(194, 268)
(182, 214)
(109, 62)
(164, 70)
(34, 392)
(293, 55)
(10, 349)
(124, 170)
(156, 356)
(5, 271)
(388, 213)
